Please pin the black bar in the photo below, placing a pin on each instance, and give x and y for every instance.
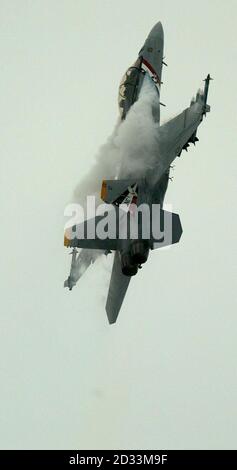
(106, 458)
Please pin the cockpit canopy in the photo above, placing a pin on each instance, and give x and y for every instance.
(128, 88)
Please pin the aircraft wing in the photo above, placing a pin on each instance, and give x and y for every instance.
(85, 235)
(117, 290)
(177, 134)
(83, 261)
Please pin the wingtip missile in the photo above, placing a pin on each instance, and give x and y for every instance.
(70, 283)
(208, 78)
(74, 251)
(206, 89)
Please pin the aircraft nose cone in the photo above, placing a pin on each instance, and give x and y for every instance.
(153, 49)
(157, 31)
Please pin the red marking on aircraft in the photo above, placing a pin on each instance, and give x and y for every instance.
(149, 66)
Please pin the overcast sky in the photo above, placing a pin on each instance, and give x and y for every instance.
(165, 375)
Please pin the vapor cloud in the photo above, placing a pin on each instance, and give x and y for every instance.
(131, 149)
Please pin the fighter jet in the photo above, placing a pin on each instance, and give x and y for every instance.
(132, 190)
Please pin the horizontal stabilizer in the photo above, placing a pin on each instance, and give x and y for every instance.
(170, 227)
(105, 232)
(85, 235)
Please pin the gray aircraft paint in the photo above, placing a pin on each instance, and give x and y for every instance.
(170, 140)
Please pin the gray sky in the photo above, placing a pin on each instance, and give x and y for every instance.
(165, 375)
